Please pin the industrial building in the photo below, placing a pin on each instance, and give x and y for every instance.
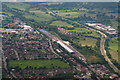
(66, 47)
(107, 29)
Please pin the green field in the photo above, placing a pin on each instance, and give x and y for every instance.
(6, 13)
(61, 24)
(50, 3)
(60, 11)
(20, 6)
(32, 17)
(85, 32)
(1, 15)
(42, 15)
(38, 64)
(114, 24)
(86, 41)
(80, 30)
(114, 55)
(94, 34)
(2, 29)
(39, 16)
(9, 14)
(113, 46)
(92, 59)
(71, 14)
(84, 9)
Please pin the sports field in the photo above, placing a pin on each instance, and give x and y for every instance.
(38, 64)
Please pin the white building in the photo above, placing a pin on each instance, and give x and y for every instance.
(64, 46)
(26, 27)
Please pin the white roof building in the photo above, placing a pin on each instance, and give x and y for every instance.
(26, 27)
(64, 46)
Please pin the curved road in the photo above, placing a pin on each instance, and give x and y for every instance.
(102, 48)
(102, 42)
(103, 52)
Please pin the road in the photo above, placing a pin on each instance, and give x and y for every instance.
(16, 53)
(77, 54)
(5, 65)
(52, 48)
(103, 52)
(102, 42)
(102, 48)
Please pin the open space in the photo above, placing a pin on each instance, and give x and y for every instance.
(87, 42)
(113, 46)
(86, 32)
(114, 55)
(6, 13)
(38, 64)
(70, 14)
(80, 30)
(20, 6)
(92, 59)
(61, 24)
(38, 16)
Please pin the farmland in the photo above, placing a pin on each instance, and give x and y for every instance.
(60, 11)
(70, 14)
(60, 24)
(80, 30)
(1, 29)
(92, 59)
(87, 42)
(94, 34)
(113, 46)
(6, 13)
(1, 15)
(38, 64)
(20, 6)
(114, 24)
(42, 15)
(114, 55)
(86, 32)
(38, 16)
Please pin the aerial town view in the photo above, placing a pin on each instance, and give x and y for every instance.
(60, 40)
